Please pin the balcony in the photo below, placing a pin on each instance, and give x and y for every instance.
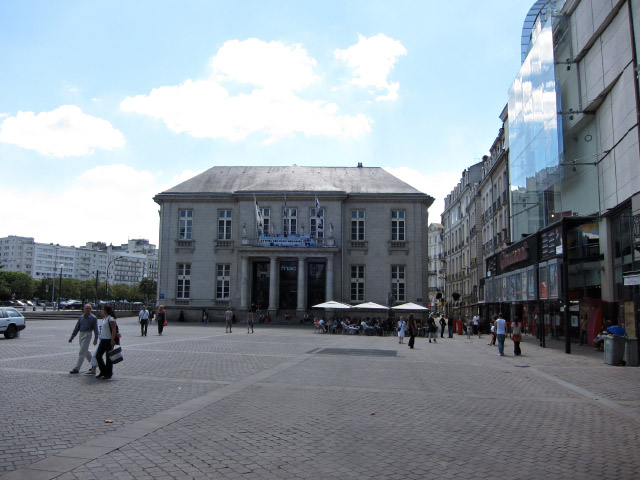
(222, 245)
(398, 246)
(187, 246)
(358, 245)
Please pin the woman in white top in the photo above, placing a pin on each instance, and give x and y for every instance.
(402, 327)
(108, 337)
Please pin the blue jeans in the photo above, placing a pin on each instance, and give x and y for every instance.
(501, 337)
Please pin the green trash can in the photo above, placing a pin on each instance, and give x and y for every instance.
(613, 350)
(631, 352)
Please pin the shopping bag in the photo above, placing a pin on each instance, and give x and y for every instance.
(115, 355)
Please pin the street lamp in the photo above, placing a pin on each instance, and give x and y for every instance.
(60, 285)
(107, 279)
(53, 282)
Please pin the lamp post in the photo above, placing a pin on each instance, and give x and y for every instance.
(53, 282)
(60, 285)
(107, 279)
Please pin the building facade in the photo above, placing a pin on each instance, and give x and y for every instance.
(128, 263)
(436, 267)
(286, 238)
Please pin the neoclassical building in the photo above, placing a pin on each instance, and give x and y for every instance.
(287, 238)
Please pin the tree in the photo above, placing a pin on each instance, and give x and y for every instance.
(18, 283)
(148, 289)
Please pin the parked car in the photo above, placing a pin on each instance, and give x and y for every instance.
(11, 322)
(12, 303)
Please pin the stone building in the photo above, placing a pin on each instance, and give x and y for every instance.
(286, 238)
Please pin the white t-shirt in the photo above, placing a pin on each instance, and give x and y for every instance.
(501, 326)
(105, 328)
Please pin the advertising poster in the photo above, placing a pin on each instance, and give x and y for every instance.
(543, 283)
(531, 284)
(553, 280)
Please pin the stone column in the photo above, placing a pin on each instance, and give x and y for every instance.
(273, 284)
(329, 286)
(244, 284)
(301, 285)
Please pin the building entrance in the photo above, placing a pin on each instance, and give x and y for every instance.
(316, 283)
(260, 285)
(288, 285)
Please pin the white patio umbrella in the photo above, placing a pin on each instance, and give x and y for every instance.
(371, 306)
(410, 306)
(332, 304)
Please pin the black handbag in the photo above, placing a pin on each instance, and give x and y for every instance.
(115, 355)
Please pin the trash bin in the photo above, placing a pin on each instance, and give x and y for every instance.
(613, 350)
(631, 352)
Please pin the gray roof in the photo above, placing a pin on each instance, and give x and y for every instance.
(351, 180)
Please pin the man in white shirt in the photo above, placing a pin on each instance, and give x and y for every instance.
(501, 333)
(143, 318)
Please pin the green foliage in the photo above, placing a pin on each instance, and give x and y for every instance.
(148, 288)
(16, 282)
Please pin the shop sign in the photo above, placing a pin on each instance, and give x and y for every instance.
(632, 279)
(518, 255)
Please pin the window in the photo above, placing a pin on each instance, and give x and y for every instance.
(317, 223)
(223, 280)
(266, 221)
(398, 283)
(224, 225)
(184, 280)
(290, 221)
(357, 225)
(185, 225)
(357, 283)
(397, 225)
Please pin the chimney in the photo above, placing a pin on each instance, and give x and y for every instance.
(359, 164)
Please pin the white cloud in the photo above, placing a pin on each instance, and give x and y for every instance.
(372, 60)
(107, 203)
(271, 75)
(437, 184)
(63, 132)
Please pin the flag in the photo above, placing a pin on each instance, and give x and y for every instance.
(259, 222)
(286, 216)
(319, 219)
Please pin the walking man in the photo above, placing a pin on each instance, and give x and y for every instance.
(86, 324)
(143, 316)
(249, 321)
(501, 333)
(228, 318)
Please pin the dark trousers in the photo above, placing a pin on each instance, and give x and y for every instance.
(143, 327)
(412, 340)
(160, 326)
(450, 327)
(516, 348)
(104, 346)
(442, 331)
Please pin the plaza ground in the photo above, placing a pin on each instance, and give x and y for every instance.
(285, 402)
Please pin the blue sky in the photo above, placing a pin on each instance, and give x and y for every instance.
(105, 103)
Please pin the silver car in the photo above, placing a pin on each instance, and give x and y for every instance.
(11, 322)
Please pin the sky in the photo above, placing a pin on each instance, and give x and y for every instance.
(104, 104)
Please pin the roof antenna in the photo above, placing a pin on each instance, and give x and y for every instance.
(359, 164)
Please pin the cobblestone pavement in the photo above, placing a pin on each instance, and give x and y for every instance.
(288, 403)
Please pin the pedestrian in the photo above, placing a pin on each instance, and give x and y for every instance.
(516, 336)
(181, 316)
(85, 326)
(493, 331)
(161, 318)
(108, 340)
(402, 326)
(469, 328)
(143, 318)
(228, 318)
(205, 316)
(413, 330)
(476, 325)
(287, 317)
(432, 329)
(501, 333)
(450, 327)
(249, 321)
(442, 325)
